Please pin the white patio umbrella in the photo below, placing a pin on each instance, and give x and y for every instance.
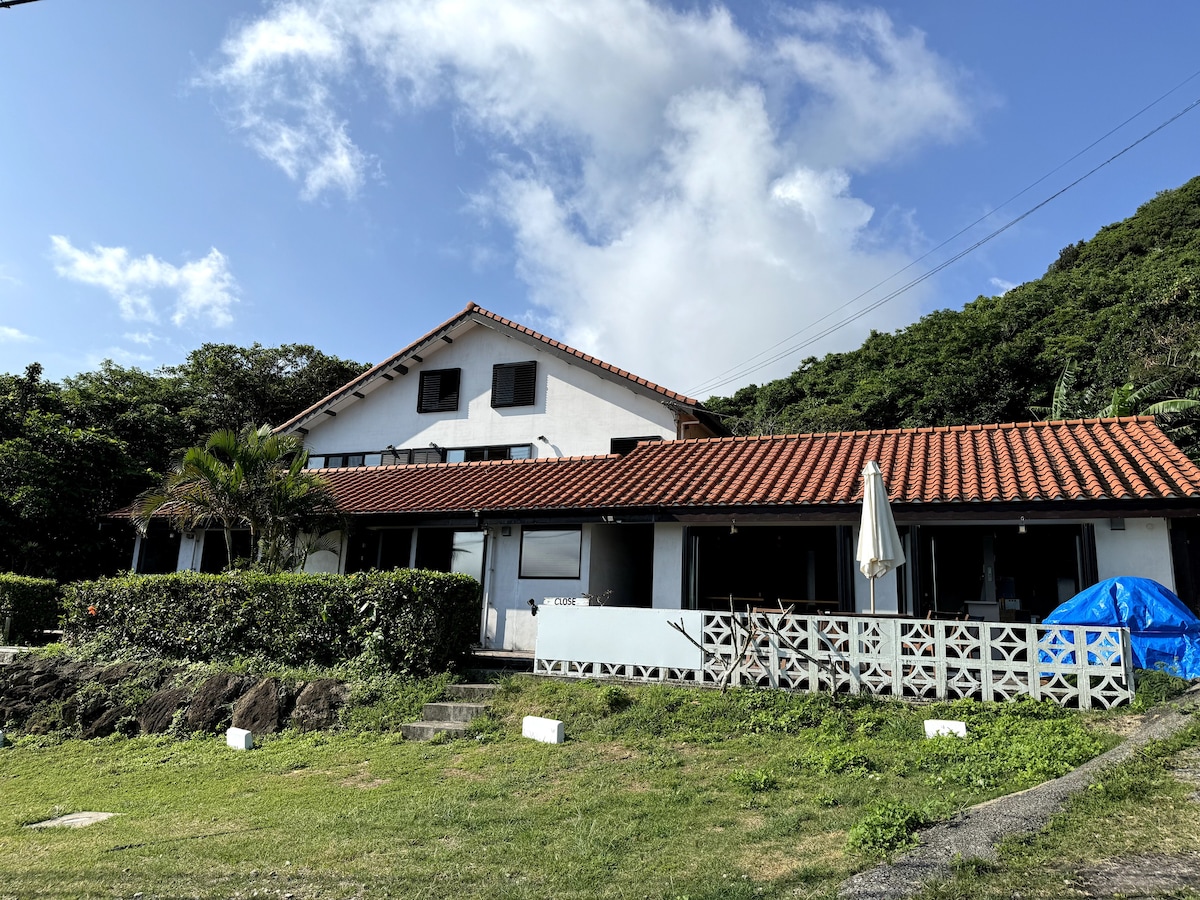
(879, 549)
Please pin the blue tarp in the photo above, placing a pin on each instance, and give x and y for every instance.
(1162, 631)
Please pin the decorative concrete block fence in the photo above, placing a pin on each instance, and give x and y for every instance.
(1077, 666)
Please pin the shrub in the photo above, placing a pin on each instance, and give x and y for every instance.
(31, 603)
(408, 621)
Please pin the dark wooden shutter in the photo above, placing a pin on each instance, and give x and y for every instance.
(439, 390)
(514, 384)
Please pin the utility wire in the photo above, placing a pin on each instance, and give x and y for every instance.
(746, 368)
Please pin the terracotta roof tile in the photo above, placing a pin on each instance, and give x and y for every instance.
(1094, 460)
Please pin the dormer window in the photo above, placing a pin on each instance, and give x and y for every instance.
(439, 391)
(514, 384)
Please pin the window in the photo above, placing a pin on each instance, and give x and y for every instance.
(480, 454)
(551, 552)
(626, 445)
(427, 455)
(344, 460)
(439, 390)
(513, 384)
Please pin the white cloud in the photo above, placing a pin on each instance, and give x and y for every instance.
(1001, 285)
(203, 289)
(120, 355)
(146, 338)
(13, 335)
(678, 191)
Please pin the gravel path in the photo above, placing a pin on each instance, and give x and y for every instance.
(975, 833)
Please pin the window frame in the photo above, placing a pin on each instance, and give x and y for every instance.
(514, 384)
(447, 399)
(577, 530)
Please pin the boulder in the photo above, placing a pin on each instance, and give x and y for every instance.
(211, 707)
(107, 723)
(157, 713)
(118, 672)
(318, 705)
(262, 709)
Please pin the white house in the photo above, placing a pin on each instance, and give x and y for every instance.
(487, 448)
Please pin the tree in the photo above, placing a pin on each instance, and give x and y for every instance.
(233, 387)
(57, 482)
(251, 478)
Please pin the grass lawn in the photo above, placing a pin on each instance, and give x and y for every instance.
(659, 792)
(1134, 833)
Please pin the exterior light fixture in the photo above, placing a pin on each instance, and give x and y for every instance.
(733, 527)
(543, 439)
(1021, 528)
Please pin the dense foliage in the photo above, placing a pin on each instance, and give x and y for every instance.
(71, 453)
(29, 606)
(1119, 309)
(409, 621)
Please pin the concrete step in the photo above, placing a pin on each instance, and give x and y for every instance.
(424, 731)
(9, 654)
(452, 712)
(476, 693)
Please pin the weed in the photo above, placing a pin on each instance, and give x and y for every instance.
(615, 698)
(486, 729)
(833, 759)
(756, 782)
(890, 827)
(1154, 686)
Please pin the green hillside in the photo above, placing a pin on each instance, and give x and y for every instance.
(1120, 308)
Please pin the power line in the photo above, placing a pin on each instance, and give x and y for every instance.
(744, 369)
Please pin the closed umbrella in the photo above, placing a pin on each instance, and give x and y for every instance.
(879, 549)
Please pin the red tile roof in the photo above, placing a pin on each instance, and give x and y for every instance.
(1127, 459)
(479, 314)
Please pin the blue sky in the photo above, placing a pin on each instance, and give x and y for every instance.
(688, 191)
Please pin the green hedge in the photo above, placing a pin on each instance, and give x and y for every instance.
(32, 604)
(410, 621)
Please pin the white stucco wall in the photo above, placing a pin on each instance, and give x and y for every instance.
(668, 565)
(1143, 550)
(508, 622)
(616, 635)
(576, 410)
(887, 595)
(191, 546)
(328, 561)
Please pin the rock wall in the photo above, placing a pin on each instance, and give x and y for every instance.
(43, 696)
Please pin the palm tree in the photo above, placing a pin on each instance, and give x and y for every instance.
(252, 478)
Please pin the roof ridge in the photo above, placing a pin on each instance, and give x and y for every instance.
(922, 429)
(474, 311)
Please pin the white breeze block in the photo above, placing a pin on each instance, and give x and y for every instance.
(548, 731)
(239, 739)
(939, 727)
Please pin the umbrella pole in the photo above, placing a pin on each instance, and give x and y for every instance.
(872, 596)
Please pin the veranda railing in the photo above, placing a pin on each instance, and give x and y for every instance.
(1079, 666)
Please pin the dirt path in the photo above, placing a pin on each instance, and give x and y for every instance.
(975, 833)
